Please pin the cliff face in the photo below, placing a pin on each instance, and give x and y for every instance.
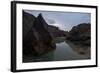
(80, 34)
(44, 39)
(28, 20)
(37, 39)
(28, 36)
(56, 32)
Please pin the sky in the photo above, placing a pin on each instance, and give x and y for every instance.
(64, 20)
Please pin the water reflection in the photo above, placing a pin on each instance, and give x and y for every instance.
(63, 51)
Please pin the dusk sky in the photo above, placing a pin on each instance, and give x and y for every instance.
(63, 20)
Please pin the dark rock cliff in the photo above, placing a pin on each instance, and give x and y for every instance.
(36, 37)
(44, 39)
(28, 36)
(81, 34)
(56, 32)
(28, 20)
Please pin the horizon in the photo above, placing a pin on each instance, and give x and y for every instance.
(63, 20)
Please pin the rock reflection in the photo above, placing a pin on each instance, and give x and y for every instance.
(65, 50)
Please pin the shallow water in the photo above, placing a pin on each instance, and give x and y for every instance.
(62, 52)
(66, 52)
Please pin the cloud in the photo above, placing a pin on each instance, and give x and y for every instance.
(50, 21)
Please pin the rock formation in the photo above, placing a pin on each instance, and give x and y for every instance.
(28, 20)
(80, 37)
(81, 34)
(56, 32)
(44, 39)
(36, 37)
(28, 36)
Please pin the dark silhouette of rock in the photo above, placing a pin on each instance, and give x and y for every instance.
(28, 36)
(43, 36)
(80, 34)
(56, 32)
(36, 37)
(28, 20)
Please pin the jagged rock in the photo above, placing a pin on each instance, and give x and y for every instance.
(80, 34)
(56, 32)
(37, 39)
(28, 36)
(44, 38)
(28, 20)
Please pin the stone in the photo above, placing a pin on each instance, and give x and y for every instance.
(36, 38)
(80, 34)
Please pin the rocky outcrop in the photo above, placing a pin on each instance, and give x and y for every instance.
(44, 39)
(80, 38)
(37, 39)
(28, 20)
(80, 34)
(56, 32)
(28, 36)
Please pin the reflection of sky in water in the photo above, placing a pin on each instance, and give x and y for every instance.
(63, 20)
